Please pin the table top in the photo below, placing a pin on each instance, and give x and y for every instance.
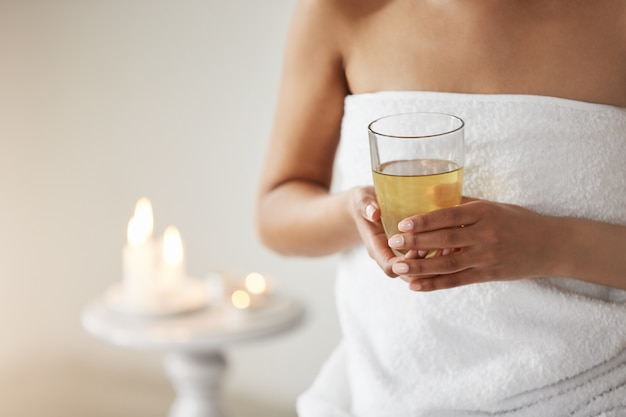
(211, 328)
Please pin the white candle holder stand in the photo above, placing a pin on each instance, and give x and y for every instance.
(193, 343)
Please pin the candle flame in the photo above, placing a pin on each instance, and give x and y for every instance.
(255, 283)
(172, 246)
(143, 208)
(141, 225)
(240, 299)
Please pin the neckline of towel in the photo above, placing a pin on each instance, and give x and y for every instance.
(508, 98)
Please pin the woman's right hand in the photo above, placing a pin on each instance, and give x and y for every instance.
(366, 215)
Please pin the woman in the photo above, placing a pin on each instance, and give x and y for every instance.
(541, 85)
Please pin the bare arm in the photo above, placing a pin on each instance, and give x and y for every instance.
(296, 214)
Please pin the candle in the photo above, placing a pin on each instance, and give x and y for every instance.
(138, 255)
(254, 294)
(172, 268)
(256, 284)
(240, 299)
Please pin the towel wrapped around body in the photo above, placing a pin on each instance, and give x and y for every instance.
(544, 347)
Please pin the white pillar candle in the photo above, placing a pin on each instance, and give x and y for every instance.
(138, 255)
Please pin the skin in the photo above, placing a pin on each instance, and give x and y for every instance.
(341, 47)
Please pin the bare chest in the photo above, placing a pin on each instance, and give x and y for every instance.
(580, 56)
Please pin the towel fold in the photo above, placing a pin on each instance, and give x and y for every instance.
(543, 347)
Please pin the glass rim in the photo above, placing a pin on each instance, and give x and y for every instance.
(447, 132)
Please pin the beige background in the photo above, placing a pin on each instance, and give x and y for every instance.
(101, 102)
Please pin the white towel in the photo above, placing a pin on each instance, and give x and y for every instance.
(531, 348)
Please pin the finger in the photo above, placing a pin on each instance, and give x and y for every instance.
(463, 214)
(366, 204)
(442, 282)
(419, 268)
(375, 241)
(371, 212)
(452, 238)
(369, 209)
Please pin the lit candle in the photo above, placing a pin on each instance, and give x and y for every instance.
(172, 268)
(138, 254)
(255, 283)
(257, 286)
(240, 299)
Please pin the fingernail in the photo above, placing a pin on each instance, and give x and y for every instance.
(369, 211)
(446, 251)
(422, 253)
(405, 226)
(400, 268)
(396, 241)
(415, 286)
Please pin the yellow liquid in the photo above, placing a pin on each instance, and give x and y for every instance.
(409, 187)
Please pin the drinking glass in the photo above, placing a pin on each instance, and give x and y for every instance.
(417, 164)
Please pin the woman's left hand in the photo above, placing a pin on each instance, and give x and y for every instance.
(477, 241)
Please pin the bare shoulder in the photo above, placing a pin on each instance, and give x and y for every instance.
(315, 23)
(337, 16)
(323, 33)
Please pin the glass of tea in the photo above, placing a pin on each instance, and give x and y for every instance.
(417, 164)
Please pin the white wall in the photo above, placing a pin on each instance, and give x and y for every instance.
(104, 101)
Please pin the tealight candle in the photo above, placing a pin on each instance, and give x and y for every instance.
(255, 283)
(240, 299)
(258, 287)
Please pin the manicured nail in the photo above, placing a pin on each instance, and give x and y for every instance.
(446, 251)
(422, 253)
(400, 268)
(405, 226)
(396, 241)
(369, 211)
(415, 286)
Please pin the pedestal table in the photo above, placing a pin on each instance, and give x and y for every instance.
(193, 343)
